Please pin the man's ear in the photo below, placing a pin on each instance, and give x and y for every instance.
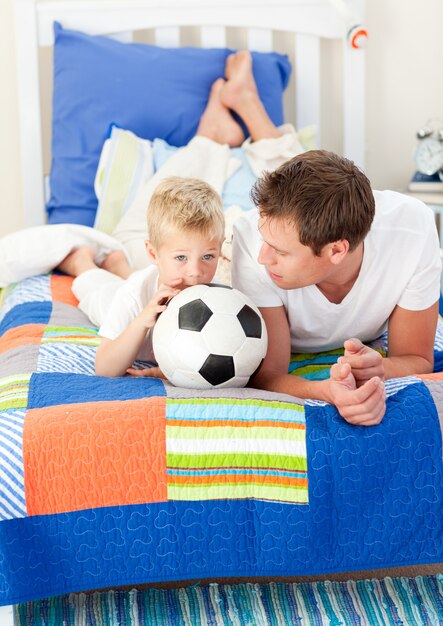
(151, 251)
(338, 250)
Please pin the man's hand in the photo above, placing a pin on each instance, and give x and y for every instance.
(365, 362)
(363, 406)
(148, 372)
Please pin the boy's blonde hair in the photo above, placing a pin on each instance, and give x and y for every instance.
(184, 205)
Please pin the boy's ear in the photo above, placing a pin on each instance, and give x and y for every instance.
(151, 251)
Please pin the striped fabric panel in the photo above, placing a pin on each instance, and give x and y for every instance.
(12, 485)
(82, 335)
(66, 357)
(232, 448)
(387, 602)
(13, 402)
(14, 391)
(316, 366)
(34, 289)
(438, 344)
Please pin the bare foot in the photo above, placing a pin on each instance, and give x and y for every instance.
(240, 84)
(217, 122)
(240, 94)
(116, 263)
(78, 261)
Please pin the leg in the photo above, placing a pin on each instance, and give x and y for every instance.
(117, 264)
(240, 94)
(217, 123)
(82, 259)
(95, 291)
(78, 261)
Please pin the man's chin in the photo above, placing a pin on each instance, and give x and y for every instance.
(276, 278)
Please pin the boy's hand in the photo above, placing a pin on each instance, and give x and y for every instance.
(363, 406)
(364, 361)
(159, 302)
(148, 372)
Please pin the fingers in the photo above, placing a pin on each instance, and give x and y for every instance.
(352, 346)
(148, 372)
(365, 364)
(339, 371)
(174, 283)
(366, 405)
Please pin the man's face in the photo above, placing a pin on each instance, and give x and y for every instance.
(289, 263)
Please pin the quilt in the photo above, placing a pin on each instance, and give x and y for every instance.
(109, 482)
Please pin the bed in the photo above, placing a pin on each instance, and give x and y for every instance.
(112, 482)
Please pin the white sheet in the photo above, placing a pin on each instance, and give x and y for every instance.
(39, 249)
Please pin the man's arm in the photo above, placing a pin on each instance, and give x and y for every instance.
(364, 406)
(411, 337)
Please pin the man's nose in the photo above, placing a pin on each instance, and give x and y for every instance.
(265, 254)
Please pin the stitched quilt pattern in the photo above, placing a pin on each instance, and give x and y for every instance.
(108, 482)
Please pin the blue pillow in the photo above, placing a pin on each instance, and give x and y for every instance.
(152, 91)
(237, 189)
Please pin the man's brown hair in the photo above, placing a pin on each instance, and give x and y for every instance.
(325, 196)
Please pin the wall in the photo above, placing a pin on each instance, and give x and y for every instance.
(404, 89)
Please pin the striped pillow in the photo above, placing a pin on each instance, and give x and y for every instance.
(125, 164)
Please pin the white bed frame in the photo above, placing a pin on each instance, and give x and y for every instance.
(308, 22)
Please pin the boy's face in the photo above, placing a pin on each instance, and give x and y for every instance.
(189, 256)
(289, 263)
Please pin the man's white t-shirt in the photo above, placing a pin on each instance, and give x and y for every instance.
(401, 266)
(129, 301)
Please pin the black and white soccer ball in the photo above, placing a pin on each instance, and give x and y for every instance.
(210, 336)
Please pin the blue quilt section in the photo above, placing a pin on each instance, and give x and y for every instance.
(51, 389)
(375, 500)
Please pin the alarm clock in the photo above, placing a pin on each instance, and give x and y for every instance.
(428, 155)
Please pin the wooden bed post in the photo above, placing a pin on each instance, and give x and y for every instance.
(29, 112)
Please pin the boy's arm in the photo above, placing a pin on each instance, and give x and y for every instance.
(115, 356)
(411, 336)
(364, 406)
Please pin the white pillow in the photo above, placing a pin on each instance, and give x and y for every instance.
(125, 164)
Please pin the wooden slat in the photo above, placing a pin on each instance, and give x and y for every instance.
(260, 39)
(213, 37)
(167, 36)
(354, 104)
(31, 145)
(308, 83)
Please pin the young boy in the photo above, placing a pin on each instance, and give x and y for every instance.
(186, 231)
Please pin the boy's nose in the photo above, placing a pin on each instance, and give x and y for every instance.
(194, 269)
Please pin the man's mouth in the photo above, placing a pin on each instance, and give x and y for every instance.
(274, 276)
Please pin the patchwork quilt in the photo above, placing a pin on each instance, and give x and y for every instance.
(108, 482)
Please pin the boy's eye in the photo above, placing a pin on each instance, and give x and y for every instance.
(180, 257)
(208, 257)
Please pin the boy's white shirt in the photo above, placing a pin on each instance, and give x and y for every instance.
(112, 303)
(401, 266)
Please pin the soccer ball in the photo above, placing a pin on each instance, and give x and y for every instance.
(209, 336)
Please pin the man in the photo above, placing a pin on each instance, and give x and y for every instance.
(330, 263)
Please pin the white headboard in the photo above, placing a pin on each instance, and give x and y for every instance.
(308, 21)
